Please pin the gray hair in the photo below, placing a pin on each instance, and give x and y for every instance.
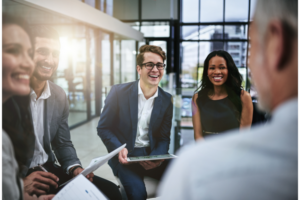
(285, 11)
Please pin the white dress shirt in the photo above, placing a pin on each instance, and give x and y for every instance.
(145, 107)
(37, 110)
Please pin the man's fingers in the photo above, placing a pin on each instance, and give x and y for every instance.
(91, 175)
(42, 186)
(38, 191)
(148, 163)
(91, 179)
(47, 181)
(144, 165)
(121, 157)
(49, 175)
(124, 155)
(46, 197)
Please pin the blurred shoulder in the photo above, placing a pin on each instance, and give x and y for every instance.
(56, 89)
(165, 95)
(245, 97)
(195, 97)
(123, 87)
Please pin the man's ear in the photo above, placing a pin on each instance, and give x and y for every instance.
(274, 43)
(138, 69)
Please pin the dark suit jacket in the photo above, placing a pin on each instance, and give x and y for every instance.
(56, 128)
(119, 119)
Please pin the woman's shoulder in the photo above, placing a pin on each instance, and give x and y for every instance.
(245, 96)
(195, 97)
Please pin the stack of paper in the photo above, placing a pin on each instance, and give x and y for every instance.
(80, 188)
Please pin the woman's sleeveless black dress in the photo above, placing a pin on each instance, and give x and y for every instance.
(217, 115)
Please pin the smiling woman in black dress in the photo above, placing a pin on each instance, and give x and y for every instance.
(220, 103)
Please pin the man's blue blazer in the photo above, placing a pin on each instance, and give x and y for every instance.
(119, 119)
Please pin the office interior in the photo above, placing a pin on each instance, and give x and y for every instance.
(100, 40)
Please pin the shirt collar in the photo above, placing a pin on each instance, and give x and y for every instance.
(141, 92)
(45, 94)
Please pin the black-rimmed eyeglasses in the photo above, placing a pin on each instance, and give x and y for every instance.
(150, 65)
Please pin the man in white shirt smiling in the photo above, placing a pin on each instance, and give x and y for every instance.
(139, 114)
(50, 111)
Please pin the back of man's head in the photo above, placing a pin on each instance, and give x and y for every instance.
(273, 52)
(285, 11)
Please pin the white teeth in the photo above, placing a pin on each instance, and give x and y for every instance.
(46, 67)
(219, 78)
(23, 76)
(153, 76)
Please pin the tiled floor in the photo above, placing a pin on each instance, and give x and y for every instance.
(88, 145)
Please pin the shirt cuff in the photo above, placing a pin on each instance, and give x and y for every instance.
(68, 169)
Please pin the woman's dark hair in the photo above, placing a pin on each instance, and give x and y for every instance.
(233, 84)
(16, 116)
(9, 19)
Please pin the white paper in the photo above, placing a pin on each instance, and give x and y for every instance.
(97, 162)
(80, 188)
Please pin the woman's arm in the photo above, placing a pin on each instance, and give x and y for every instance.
(247, 110)
(196, 118)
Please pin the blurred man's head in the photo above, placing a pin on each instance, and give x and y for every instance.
(46, 52)
(274, 51)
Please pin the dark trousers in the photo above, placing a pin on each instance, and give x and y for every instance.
(132, 175)
(109, 189)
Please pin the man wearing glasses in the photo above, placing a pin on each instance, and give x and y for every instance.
(139, 114)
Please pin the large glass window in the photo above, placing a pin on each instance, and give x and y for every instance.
(92, 64)
(90, 2)
(189, 65)
(105, 50)
(117, 61)
(126, 9)
(156, 9)
(71, 71)
(236, 10)
(211, 10)
(190, 11)
(155, 29)
(128, 59)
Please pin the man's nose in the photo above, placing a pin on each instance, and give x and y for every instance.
(49, 59)
(154, 68)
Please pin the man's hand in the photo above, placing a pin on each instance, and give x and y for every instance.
(39, 182)
(34, 197)
(123, 156)
(151, 164)
(79, 170)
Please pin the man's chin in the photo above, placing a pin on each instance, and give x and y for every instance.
(41, 77)
(263, 105)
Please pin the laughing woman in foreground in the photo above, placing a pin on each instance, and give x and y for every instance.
(220, 103)
(17, 131)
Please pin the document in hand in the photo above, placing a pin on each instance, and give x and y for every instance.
(80, 188)
(97, 162)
